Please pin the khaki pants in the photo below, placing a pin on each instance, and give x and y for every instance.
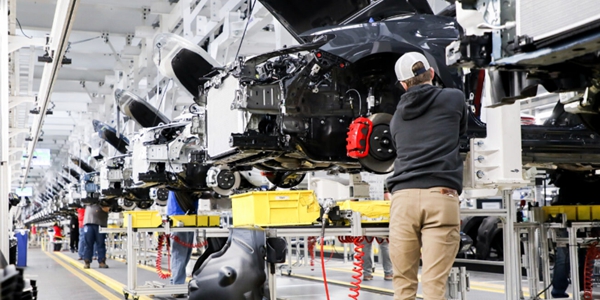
(423, 223)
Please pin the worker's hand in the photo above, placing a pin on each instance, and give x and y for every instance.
(106, 208)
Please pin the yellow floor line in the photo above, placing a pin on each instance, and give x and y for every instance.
(474, 285)
(343, 283)
(111, 283)
(102, 291)
(145, 267)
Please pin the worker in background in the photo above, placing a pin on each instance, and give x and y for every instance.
(427, 180)
(575, 188)
(384, 252)
(96, 216)
(58, 236)
(81, 245)
(181, 242)
(74, 233)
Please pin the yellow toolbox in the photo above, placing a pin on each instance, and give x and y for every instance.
(584, 213)
(573, 212)
(371, 211)
(142, 219)
(595, 212)
(275, 208)
(187, 220)
(208, 221)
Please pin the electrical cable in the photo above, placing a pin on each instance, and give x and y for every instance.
(162, 97)
(248, 16)
(84, 40)
(23, 32)
(540, 293)
(359, 101)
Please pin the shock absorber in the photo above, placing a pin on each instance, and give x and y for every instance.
(358, 267)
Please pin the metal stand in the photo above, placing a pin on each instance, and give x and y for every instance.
(573, 257)
(458, 284)
(132, 287)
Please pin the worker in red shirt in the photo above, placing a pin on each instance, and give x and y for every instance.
(58, 236)
(81, 244)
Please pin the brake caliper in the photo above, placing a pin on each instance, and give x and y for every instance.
(358, 138)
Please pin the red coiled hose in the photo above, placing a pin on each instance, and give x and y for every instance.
(161, 239)
(311, 248)
(159, 271)
(358, 267)
(180, 242)
(588, 273)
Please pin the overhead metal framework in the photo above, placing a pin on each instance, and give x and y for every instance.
(64, 16)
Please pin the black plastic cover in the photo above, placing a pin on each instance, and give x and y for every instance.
(191, 70)
(237, 272)
(82, 164)
(141, 111)
(109, 134)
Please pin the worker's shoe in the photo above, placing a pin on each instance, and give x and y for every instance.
(102, 265)
(86, 264)
(367, 277)
(388, 277)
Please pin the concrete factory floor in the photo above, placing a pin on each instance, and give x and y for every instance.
(61, 276)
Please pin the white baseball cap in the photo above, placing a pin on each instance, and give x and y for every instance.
(405, 63)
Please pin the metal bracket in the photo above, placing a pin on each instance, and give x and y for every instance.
(355, 223)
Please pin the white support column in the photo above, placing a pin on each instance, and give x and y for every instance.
(4, 137)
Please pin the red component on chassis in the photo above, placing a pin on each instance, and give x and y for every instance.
(358, 138)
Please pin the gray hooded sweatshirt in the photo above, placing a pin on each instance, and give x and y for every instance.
(426, 128)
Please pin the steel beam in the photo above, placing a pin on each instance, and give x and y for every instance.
(4, 137)
(64, 17)
(16, 100)
(17, 42)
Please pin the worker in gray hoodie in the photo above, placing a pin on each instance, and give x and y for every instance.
(427, 180)
(96, 216)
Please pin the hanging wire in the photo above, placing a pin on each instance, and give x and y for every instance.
(23, 32)
(248, 17)
(84, 40)
(162, 97)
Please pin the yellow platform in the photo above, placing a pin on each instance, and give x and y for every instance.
(142, 219)
(371, 211)
(275, 208)
(573, 212)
